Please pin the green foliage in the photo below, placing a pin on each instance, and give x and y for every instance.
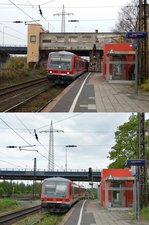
(145, 86)
(145, 213)
(50, 220)
(9, 188)
(126, 143)
(93, 192)
(2, 191)
(6, 203)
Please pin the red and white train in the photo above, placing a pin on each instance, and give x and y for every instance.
(64, 67)
(59, 194)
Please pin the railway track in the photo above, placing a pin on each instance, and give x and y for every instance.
(13, 98)
(11, 89)
(16, 216)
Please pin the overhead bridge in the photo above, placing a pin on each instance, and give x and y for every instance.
(19, 50)
(40, 175)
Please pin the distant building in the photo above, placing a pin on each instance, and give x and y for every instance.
(89, 44)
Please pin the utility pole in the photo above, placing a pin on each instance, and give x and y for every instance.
(142, 170)
(34, 177)
(142, 27)
(63, 14)
(51, 146)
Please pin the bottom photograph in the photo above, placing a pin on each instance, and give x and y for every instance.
(74, 168)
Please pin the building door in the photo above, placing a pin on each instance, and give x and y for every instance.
(118, 71)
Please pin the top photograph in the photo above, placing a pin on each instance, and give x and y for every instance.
(74, 56)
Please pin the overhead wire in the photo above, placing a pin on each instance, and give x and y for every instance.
(8, 156)
(22, 137)
(39, 11)
(22, 11)
(48, 2)
(10, 163)
(28, 142)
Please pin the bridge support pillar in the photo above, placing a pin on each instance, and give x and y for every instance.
(3, 59)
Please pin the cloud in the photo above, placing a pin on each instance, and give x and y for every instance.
(93, 133)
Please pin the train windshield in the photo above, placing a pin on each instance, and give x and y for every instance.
(60, 62)
(56, 188)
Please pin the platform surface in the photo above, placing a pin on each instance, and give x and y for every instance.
(91, 93)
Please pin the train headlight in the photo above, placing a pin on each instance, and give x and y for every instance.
(67, 72)
(50, 71)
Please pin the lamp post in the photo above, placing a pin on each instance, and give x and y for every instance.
(68, 146)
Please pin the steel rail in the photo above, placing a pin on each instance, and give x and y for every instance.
(11, 89)
(6, 219)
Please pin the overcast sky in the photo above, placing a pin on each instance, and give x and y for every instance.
(93, 133)
(92, 15)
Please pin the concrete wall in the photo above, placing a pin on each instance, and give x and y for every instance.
(34, 31)
(41, 42)
(76, 41)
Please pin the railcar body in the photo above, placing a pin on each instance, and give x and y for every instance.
(64, 67)
(59, 194)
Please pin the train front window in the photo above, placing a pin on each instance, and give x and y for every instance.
(60, 62)
(58, 189)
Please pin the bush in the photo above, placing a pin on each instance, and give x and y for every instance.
(1, 191)
(15, 63)
(145, 86)
(145, 213)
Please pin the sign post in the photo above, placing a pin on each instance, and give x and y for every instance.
(136, 36)
(136, 163)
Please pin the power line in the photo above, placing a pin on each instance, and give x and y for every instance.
(8, 156)
(48, 2)
(10, 163)
(29, 145)
(22, 138)
(63, 14)
(71, 7)
(22, 11)
(51, 146)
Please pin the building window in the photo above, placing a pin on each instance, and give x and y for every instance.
(60, 39)
(33, 38)
(73, 39)
(46, 41)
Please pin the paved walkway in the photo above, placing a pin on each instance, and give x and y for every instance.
(98, 95)
(94, 214)
(112, 217)
(116, 97)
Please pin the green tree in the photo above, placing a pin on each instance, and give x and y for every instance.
(1, 191)
(126, 143)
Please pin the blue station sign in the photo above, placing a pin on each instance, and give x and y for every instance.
(136, 35)
(135, 162)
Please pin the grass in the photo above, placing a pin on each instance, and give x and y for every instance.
(40, 219)
(145, 86)
(8, 204)
(145, 213)
(50, 220)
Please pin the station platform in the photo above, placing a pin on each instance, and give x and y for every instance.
(93, 214)
(91, 93)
